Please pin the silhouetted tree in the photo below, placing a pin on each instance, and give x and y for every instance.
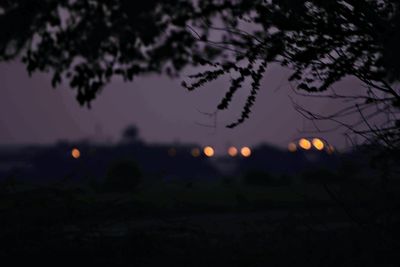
(130, 134)
(88, 42)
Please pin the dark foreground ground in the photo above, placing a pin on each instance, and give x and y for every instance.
(202, 224)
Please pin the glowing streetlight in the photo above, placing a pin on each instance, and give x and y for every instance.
(232, 151)
(292, 147)
(75, 153)
(318, 144)
(209, 151)
(245, 151)
(305, 144)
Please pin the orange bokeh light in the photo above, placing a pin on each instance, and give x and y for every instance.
(305, 144)
(292, 147)
(172, 152)
(318, 144)
(76, 154)
(195, 152)
(330, 149)
(209, 151)
(232, 151)
(245, 151)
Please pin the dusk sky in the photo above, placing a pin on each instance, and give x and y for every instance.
(32, 112)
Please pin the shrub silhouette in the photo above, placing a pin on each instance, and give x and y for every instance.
(123, 176)
(257, 178)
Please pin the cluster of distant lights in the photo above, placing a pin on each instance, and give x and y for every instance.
(309, 144)
(232, 151)
(209, 151)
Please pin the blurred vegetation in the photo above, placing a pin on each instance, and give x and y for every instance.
(131, 134)
(122, 176)
(322, 176)
(173, 222)
(261, 178)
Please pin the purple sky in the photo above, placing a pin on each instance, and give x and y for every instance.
(32, 112)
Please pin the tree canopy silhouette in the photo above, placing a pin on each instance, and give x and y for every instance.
(131, 134)
(87, 42)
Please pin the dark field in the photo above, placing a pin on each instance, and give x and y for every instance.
(203, 223)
